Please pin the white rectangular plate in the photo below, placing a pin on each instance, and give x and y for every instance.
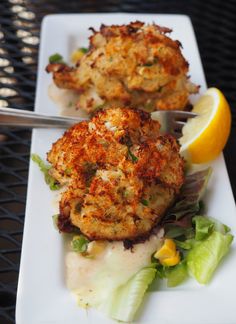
(42, 296)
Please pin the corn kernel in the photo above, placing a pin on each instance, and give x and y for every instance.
(168, 255)
(172, 261)
(167, 250)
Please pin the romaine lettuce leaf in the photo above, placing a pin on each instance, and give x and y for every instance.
(185, 245)
(205, 256)
(126, 299)
(45, 168)
(203, 227)
(176, 275)
(219, 227)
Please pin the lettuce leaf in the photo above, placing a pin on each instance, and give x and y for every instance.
(55, 221)
(219, 227)
(205, 256)
(176, 231)
(191, 194)
(178, 221)
(45, 168)
(203, 227)
(126, 299)
(176, 275)
(185, 245)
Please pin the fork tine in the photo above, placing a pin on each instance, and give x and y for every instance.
(178, 125)
(176, 134)
(172, 121)
(177, 120)
(179, 114)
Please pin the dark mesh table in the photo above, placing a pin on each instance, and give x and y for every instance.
(215, 26)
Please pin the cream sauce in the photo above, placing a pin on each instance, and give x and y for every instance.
(94, 279)
(66, 100)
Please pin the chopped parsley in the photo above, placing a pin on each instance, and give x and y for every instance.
(126, 194)
(148, 64)
(127, 141)
(89, 172)
(56, 58)
(68, 171)
(133, 157)
(144, 202)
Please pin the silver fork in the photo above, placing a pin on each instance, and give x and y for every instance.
(171, 121)
(29, 119)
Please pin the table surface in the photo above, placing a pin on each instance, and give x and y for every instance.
(214, 23)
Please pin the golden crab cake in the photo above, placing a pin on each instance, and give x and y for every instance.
(114, 208)
(71, 199)
(89, 144)
(82, 150)
(65, 150)
(134, 64)
(160, 159)
(121, 173)
(157, 159)
(134, 126)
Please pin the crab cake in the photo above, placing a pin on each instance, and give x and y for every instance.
(134, 64)
(121, 175)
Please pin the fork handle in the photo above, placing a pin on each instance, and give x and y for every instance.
(29, 119)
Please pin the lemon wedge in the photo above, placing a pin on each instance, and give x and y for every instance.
(205, 136)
